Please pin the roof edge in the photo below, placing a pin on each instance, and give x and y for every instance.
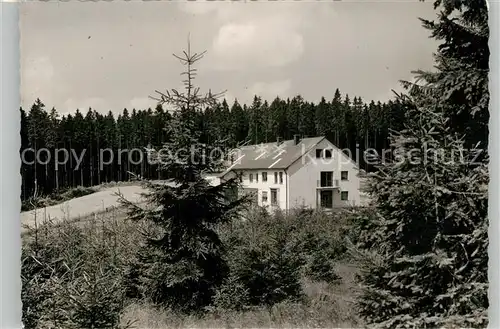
(310, 148)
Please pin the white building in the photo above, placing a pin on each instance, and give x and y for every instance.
(308, 172)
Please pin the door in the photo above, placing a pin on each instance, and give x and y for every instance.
(326, 199)
(274, 196)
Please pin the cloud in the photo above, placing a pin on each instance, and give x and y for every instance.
(268, 42)
(38, 68)
(229, 98)
(269, 90)
(95, 103)
(142, 103)
(36, 74)
(318, 46)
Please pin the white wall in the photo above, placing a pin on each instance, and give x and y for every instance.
(213, 180)
(305, 172)
(302, 176)
(267, 186)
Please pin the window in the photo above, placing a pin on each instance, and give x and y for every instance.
(281, 178)
(251, 178)
(326, 199)
(344, 175)
(240, 177)
(257, 177)
(274, 196)
(318, 153)
(264, 176)
(344, 195)
(276, 178)
(328, 154)
(326, 179)
(264, 196)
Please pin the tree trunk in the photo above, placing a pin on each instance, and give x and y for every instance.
(72, 171)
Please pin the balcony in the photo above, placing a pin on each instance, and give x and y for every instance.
(327, 184)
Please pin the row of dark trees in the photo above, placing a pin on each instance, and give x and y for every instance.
(94, 140)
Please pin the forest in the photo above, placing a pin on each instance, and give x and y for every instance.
(347, 124)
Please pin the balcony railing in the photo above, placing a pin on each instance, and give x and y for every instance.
(327, 184)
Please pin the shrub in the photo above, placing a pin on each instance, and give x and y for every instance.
(76, 192)
(56, 198)
(270, 253)
(72, 275)
(262, 262)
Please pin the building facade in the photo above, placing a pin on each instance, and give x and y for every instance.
(309, 172)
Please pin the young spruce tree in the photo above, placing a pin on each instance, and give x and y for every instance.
(184, 261)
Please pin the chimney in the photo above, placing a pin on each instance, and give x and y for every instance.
(296, 139)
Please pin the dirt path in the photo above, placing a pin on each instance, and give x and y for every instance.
(83, 206)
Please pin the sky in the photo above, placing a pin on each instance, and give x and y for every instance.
(112, 55)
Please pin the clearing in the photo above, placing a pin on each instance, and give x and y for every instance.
(83, 206)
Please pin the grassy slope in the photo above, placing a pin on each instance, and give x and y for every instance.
(326, 305)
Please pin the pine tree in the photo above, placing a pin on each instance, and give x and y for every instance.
(349, 131)
(184, 263)
(239, 123)
(255, 131)
(294, 108)
(52, 143)
(462, 62)
(337, 119)
(37, 130)
(25, 172)
(307, 120)
(323, 118)
(225, 122)
(432, 232)
(79, 143)
(431, 228)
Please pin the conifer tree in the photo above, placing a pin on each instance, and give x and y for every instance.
(336, 118)
(184, 262)
(255, 131)
(460, 82)
(25, 169)
(432, 200)
(307, 120)
(349, 132)
(323, 117)
(37, 131)
(432, 231)
(294, 108)
(79, 142)
(239, 122)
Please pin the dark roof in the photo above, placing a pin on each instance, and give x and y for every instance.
(272, 155)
